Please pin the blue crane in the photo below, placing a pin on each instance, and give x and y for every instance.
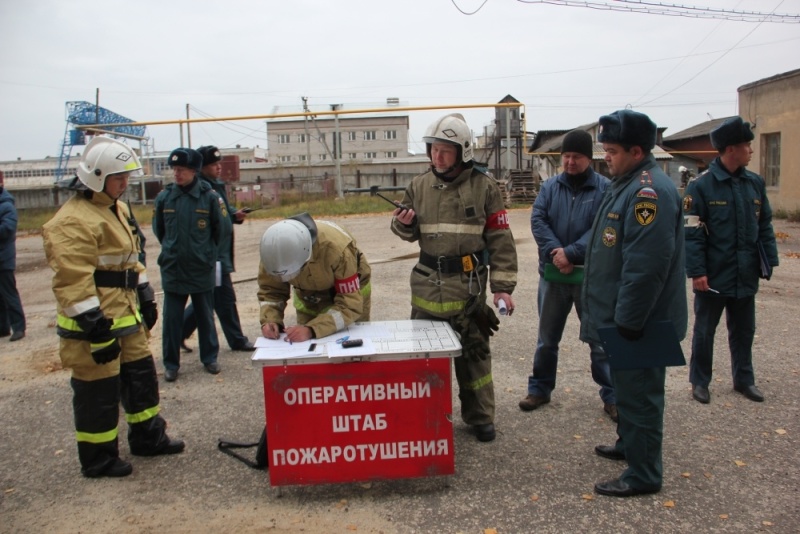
(84, 114)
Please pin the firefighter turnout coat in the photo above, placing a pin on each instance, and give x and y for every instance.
(331, 291)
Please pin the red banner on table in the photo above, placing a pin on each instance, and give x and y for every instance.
(356, 421)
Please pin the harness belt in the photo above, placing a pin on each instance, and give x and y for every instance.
(454, 264)
(128, 279)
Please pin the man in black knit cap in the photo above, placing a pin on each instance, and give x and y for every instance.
(561, 219)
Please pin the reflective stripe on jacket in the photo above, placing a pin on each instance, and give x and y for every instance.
(84, 236)
(458, 218)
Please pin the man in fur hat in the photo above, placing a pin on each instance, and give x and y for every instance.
(728, 217)
(634, 275)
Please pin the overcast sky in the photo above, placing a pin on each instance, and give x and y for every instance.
(568, 65)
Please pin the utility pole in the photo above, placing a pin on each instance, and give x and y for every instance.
(337, 150)
(308, 139)
(188, 126)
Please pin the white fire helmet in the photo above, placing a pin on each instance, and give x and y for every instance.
(285, 248)
(451, 129)
(105, 156)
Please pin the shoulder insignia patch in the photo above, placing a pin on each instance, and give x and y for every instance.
(645, 212)
(687, 203)
(647, 192)
(222, 206)
(609, 236)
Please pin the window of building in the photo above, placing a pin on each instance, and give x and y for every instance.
(283, 139)
(301, 138)
(286, 159)
(370, 155)
(352, 155)
(771, 150)
(369, 135)
(351, 136)
(302, 157)
(323, 157)
(392, 154)
(390, 134)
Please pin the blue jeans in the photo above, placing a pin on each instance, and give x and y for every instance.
(555, 301)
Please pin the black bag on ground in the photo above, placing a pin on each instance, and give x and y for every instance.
(261, 450)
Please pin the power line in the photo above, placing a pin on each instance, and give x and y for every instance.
(472, 13)
(675, 10)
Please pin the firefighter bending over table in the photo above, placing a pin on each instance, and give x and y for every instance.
(329, 274)
(455, 212)
(106, 308)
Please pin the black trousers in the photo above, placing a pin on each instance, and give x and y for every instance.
(228, 315)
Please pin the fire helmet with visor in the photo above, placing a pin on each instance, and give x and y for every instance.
(103, 157)
(285, 248)
(451, 129)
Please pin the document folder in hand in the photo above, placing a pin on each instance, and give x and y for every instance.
(552, 274)
(658, 347)
(766, 268)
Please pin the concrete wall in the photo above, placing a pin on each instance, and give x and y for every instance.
(772, 104)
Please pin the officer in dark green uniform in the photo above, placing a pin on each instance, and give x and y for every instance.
(727, 215)
(189, 220)
(224, 294)
(634, 274)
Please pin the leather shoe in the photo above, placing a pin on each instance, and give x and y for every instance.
(485, 432)
(214, 368)
(16, 336)
(247, 347)
(611, 410)
(170, 446)
(170, 375)
(610, 452)
(701, 394)
(618, 488)
(531, 402)
(751, 392)
(184, 348)
(120, 468)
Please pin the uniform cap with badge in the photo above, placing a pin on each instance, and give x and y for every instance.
(210, 154)
(186, 157)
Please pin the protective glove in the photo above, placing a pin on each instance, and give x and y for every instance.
(106, 351)
(630, 335)
(104, 346)
(147, 304)
(486, 321)
(473, 345)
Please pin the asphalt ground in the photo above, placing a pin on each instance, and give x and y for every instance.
(730, 466)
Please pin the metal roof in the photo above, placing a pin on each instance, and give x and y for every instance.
(698, 130)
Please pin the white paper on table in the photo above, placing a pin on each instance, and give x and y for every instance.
(364, 331)
(335, 350)
(278, 349)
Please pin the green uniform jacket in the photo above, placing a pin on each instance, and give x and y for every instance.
(189, 227)
(634, 269)
(735, 213)
(332, 290)
(463, 217)
(226, 239)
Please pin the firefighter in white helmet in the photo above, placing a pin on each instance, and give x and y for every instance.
(329, 274)
(455, 212)
(105, 310)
